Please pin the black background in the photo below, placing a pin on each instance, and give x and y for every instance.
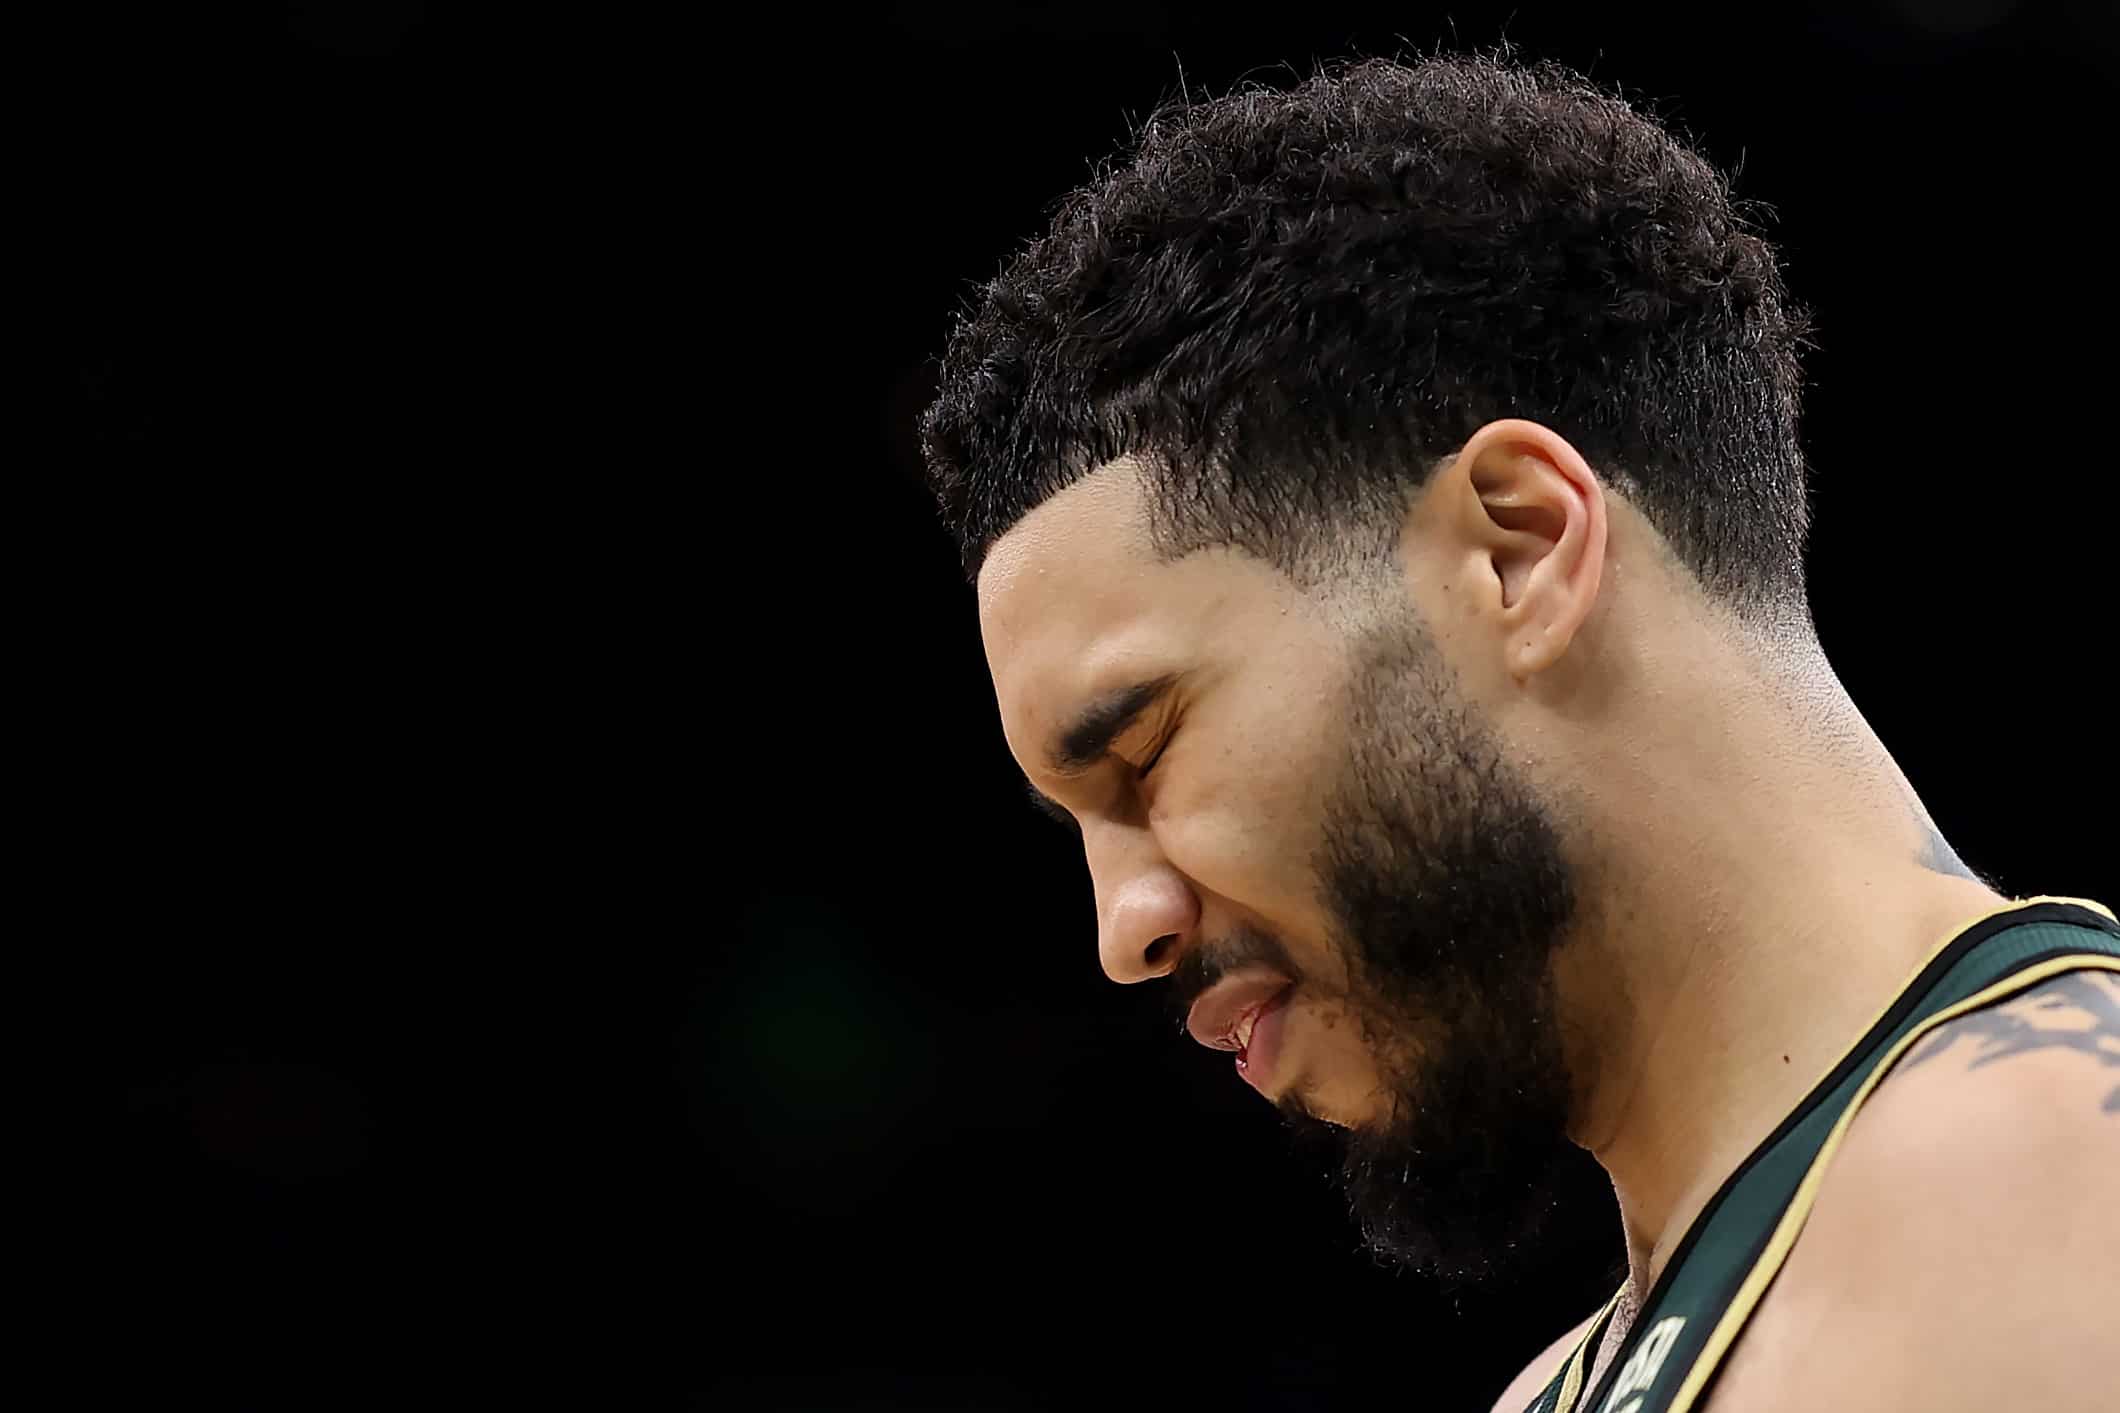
(553, 909)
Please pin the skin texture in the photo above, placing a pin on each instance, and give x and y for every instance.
(1963, 1252)
(1554, 851)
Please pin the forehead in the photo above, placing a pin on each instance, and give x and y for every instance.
(1097, 526)
(1073, 590)
(1074, 602)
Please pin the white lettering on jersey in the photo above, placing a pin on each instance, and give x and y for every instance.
(1640, 1369)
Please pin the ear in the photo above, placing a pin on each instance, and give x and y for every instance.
(1528, 519)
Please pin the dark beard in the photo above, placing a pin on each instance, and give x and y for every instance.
(1445, 875)
(1459, 1184)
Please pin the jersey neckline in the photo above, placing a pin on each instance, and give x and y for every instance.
(1955, 943)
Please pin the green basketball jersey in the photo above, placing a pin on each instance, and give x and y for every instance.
(1735, 1247)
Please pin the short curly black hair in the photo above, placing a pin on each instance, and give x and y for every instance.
(1295, 305)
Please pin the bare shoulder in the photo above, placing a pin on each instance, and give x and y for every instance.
(1540, 1371)
(1962, 1249)
(2074, 1014)
(2013, 1103)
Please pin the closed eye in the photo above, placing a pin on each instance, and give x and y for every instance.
(1052, 810)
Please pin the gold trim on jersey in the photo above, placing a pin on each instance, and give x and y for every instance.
(1573, 1384)
(1571, 1388)
(1798, 1211)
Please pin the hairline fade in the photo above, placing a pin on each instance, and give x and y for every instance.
(1292, 307)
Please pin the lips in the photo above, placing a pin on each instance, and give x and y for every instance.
(1223, 1018)
(1256, 1061)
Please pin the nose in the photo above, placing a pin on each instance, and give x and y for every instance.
(1146, 910)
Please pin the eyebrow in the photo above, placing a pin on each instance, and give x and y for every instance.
(1085, 739)
(1089, 735)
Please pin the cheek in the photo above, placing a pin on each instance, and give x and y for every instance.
(1249, 846)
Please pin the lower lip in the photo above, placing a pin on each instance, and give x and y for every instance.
(1255, 1061)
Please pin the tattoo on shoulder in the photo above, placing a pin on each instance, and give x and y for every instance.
(2077, 1010)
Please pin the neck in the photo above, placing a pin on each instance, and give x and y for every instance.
(1767, 908)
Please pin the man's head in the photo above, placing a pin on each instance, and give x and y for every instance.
(1281, 464)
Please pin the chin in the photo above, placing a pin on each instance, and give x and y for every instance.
(1305, 1101)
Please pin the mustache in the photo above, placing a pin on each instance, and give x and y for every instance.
(1200, 967)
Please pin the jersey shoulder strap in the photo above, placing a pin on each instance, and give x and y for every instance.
(1567, 1382)
(1732, 1251)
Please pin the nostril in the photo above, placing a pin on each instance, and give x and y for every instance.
(1158, 949)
